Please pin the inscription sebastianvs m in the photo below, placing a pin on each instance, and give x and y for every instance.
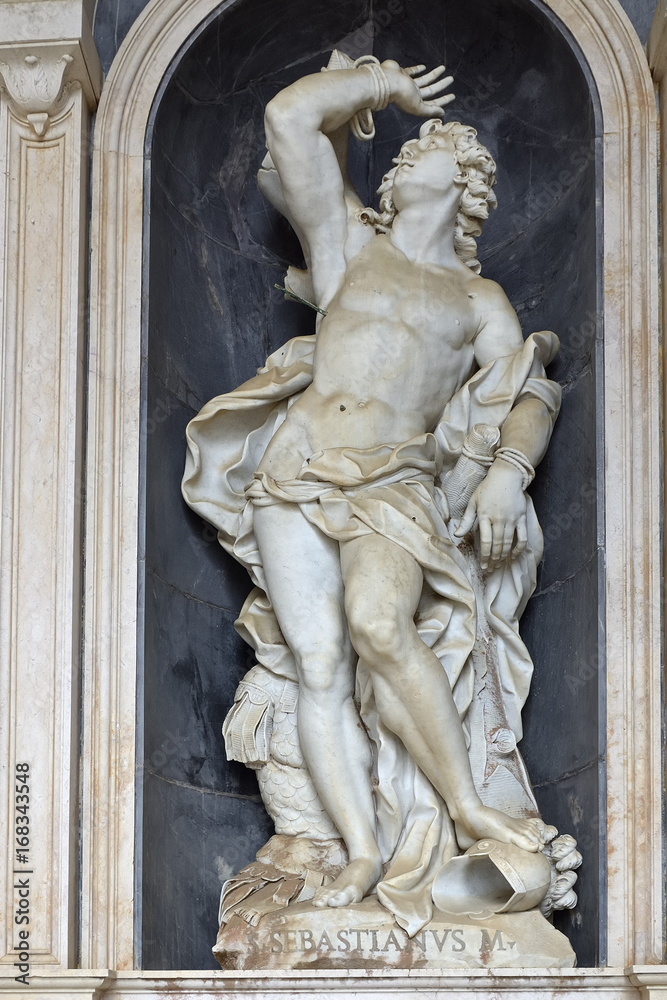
(367, 940)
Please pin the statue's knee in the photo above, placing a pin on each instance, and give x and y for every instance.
(378, 639)
(323, 675)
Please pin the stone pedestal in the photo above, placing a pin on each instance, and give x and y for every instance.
(365, 936)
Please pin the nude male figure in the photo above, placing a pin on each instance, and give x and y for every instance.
(406, 320)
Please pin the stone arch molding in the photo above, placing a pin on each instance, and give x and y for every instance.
(631, 531)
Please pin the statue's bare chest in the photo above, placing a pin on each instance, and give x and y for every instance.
(429, 303)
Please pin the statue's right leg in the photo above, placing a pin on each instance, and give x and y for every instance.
(305, 586)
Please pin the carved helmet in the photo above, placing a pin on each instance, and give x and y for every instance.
(492, 878)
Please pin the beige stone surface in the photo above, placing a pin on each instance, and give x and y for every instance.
(634, 983)
(364, 936)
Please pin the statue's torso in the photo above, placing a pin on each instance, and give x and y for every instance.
(395, 346)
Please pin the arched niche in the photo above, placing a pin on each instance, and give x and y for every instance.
(203, 316)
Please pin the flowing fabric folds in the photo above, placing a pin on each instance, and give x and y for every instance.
(391, 490)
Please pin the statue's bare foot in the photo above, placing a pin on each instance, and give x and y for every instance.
(481, 821)
(351, 885)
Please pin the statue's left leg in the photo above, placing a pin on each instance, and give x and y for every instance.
(383, 585)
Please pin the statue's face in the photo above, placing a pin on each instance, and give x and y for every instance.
(427, 168)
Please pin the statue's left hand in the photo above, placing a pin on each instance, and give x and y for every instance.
(498, 506)
(418, 95)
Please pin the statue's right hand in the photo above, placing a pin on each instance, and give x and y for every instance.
(498, 507)
(418, 95)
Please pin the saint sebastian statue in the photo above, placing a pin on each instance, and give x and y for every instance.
(333, 477)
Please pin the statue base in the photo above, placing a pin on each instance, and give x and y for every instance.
(365, 936)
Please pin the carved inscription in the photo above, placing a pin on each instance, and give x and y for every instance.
(373, 941)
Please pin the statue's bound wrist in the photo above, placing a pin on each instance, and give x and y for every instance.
(381, 84)
(511, 458)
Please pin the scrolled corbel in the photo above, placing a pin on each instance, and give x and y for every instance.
(35, 84)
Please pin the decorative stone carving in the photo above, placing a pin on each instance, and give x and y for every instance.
(35, 84)
(350, 478)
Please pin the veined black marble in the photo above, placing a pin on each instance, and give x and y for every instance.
(114, 18)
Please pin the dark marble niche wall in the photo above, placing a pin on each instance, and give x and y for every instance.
(114, 18)
(216, 251)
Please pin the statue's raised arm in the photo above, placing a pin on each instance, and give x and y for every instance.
(306, 136)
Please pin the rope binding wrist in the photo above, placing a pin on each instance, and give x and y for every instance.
(517, 458)
(380, 81)
(361, 123)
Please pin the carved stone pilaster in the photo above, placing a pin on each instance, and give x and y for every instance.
(48, 84)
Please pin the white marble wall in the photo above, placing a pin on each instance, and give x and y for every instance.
(80, 930)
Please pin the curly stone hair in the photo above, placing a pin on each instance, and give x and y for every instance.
(477, 175)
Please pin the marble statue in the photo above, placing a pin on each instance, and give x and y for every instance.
(372, 479)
